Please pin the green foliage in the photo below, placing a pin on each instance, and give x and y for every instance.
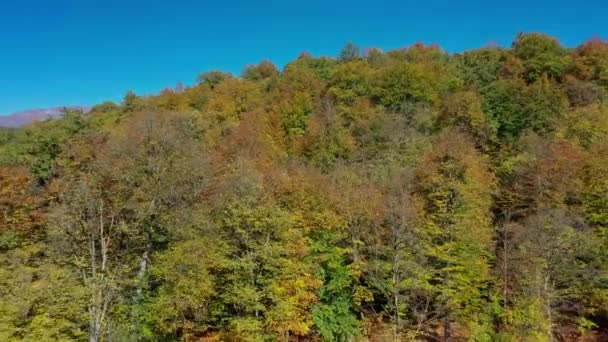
(321, 67)
(406, 195)
(464, 109)
(349, 52)
(334, 315)
(504, 102)
(514, 106)
(213, 78)
(41, 301)
(541, 55)
(44, 143)
(261, 71)
(456, 187)
(12, 146)
(351, 81)
(544, 102)
(399, 86)
(327, 141)
(131, 102)
(295, 115)
(188, 287)
(481, 67)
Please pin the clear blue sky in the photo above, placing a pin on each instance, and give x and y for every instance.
(82, 52)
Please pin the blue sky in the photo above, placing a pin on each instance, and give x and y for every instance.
(82, 52)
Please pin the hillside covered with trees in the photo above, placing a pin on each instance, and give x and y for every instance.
(408, 195)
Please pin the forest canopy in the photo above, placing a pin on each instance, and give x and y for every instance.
(411, 195)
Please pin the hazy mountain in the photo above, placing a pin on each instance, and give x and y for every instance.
(28, 116)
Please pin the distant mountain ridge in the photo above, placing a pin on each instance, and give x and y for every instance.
(26, 117)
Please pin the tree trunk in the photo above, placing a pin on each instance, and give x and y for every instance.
(547, 290)
(505, 261)
(395, 294)
(447, 329)
(144, 264)
(100, 298)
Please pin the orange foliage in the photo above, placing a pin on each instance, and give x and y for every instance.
(20, 206)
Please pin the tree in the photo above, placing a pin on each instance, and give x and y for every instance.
(334, 315)
(261, 71)
(402, 84)
(582, 93)
(405, 255)
(20, 205)
(90, 227)
(45, 142)
(351, 81)
(542, 55)
(481, 67)
(130, 102)
(124, 193)
(327, 141)
(41, 301)
(213, 78)
(464, 109)
(374, 56)
(590, 61)
(544, 101)
(349, 52)
(515, 107)
(186, 302)
(268, 286)
(455, 187)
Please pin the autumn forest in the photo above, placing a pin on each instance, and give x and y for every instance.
(403, 195)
